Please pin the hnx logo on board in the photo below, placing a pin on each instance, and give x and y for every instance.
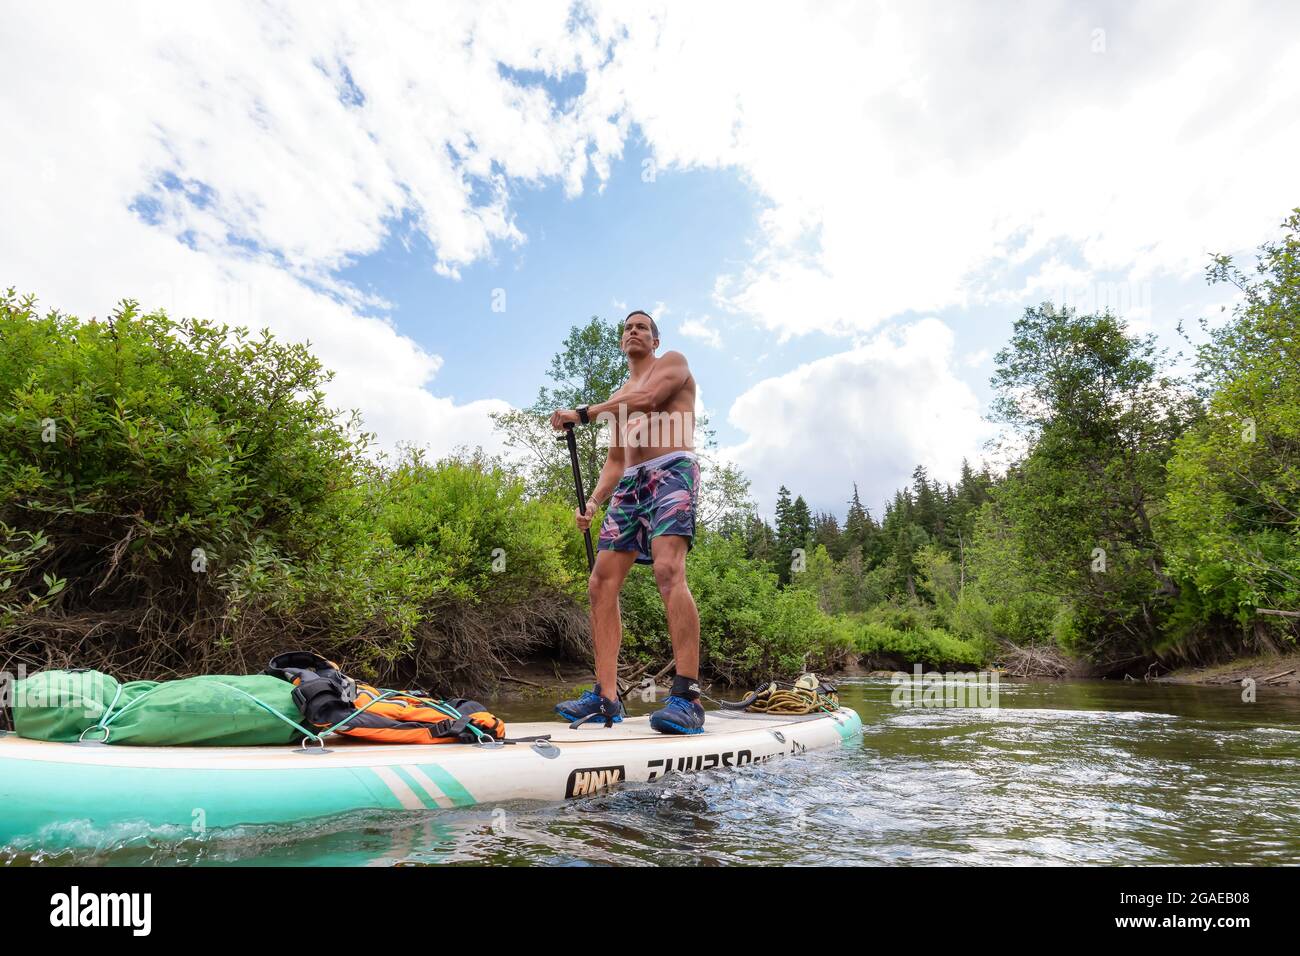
(591, 780)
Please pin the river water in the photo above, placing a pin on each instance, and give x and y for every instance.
(1059, 772)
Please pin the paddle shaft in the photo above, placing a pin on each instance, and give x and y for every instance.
(572, 442)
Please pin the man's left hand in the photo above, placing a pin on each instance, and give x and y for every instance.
(563, 416)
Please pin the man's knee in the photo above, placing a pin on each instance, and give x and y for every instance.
(669, 576)
(602, 587)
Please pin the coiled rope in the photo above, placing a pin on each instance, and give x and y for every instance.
(807, 695)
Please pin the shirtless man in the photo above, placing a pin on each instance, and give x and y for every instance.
(654, 478)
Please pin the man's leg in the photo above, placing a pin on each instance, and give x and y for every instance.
(606, 623)
(669, 551)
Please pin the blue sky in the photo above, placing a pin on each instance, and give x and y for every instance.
(849, 207)
(636, 243)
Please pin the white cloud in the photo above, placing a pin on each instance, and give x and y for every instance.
(911, 150)
(909, 154)
(700, 330)
(1055, 280)
(868, 415)
(279, 142)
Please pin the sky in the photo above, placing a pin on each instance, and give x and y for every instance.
(836, 211)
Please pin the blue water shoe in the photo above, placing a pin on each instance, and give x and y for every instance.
(589, 707)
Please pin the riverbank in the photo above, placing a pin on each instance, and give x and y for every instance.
(1266, 670)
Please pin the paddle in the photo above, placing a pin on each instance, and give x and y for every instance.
(577, 486)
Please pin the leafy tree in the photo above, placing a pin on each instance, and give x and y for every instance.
(724, 504)
(1003, 600)
(822, 579)
(1102, 415)
(1233, 522)
(938, 577)
(589, 367)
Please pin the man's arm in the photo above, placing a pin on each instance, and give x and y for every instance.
(663, 382)
(609, 475)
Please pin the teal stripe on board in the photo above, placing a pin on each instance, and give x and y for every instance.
(449, 785)
(428, 799)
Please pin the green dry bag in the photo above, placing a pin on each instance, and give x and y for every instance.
(216, 710)
(61, 705)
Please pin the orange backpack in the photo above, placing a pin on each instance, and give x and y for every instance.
(330, 700)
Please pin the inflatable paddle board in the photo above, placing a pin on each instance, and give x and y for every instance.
(56, 794)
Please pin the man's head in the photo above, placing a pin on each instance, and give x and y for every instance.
(640, 334)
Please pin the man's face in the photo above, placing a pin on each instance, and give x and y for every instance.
(638, 339)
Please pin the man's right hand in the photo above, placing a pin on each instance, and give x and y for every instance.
(583, 518)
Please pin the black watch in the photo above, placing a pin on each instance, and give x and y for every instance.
(582, 415)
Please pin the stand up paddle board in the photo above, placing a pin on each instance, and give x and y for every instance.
(58, 794)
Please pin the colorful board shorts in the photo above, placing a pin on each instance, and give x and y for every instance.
(653, 498)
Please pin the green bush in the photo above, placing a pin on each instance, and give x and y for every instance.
(750, 629)
(181, 491)
(909, 618)
(925, 645)
(474, 534)
(131, 443)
